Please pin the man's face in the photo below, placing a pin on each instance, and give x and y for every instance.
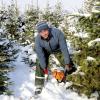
(44, 33)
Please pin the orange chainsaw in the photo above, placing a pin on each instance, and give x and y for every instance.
(58, 73)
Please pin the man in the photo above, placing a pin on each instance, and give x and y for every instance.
(49, 41)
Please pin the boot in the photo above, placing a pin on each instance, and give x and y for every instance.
(38, 91)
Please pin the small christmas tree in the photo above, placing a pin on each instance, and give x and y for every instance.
(11, 23)
(87, 79)
(55, 17)
(7, 55)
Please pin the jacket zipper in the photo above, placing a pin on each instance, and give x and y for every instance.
(50, 46)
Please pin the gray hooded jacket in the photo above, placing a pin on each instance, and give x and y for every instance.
(56, 42)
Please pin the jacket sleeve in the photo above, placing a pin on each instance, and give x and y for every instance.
(40, 54)
(64, 48)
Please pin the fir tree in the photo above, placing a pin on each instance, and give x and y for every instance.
(7, 55)
(31, 18)
(87, 80)
(11, 23)
(55, 17)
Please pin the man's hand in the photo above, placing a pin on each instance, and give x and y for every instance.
(45, 71)
(45, 74)
(68, 67)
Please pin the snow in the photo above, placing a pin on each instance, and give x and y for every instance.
(23, 87)
(80, 14)
(90, 58)
(82, 73)
(76, 52)
(61, 26)
(96, 9)
(93, 41)
(32, 58)
(95, 94)
(97, 3)
(81, 34)
(72, 29)
(1, 30)
(70, 49)
(4, 41)
(35, 34)
(54, 59)
(22, 28)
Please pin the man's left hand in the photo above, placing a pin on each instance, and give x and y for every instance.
(68, 67)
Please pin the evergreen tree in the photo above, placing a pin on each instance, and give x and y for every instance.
(7, 55)
(47, 14)
(3, 17)
(8, 25)
(11, 23)
(55, 17)
(31, 18)
(88, 4)
(87, 79)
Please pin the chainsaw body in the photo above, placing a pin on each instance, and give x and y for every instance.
(58, 73)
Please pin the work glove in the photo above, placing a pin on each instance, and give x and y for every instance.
(45, 71)
(70, 68)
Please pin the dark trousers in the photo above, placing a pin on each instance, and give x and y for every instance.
(39, 75)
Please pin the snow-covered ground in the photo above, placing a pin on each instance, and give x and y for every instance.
(23, 87)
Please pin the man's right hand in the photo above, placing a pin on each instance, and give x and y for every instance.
(45, 71)
(45, 74)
